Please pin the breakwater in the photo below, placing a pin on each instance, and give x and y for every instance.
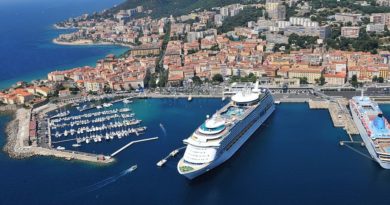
(8, 108)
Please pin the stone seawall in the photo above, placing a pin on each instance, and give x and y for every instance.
(17, 133)
(8, 108)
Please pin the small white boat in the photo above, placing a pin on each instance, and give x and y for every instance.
(190, 98)
(107, 105)
(127, 101)
(161, 162)
(76, 145)
(132, 168)
(174, 152)
(99, 107)
(60, 148)
(277, 102)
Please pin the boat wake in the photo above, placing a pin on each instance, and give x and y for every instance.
(102, 183)
(107, 181)
(163, 129)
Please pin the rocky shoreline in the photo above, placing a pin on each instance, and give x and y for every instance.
(11, 130)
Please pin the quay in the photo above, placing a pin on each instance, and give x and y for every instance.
(338, 112)
(130, 143)
(318, 104)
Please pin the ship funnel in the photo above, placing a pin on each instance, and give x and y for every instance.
(256, 88)
(379, 122)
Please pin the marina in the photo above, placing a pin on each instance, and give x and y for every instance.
(94, 125)
(74, 134)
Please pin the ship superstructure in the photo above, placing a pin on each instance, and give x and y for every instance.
(373, 128)
(222, 134)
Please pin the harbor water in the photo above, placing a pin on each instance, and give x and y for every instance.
(294, 158)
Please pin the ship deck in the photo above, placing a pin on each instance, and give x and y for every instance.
(382, 145)
(231, 114)
(184, 167)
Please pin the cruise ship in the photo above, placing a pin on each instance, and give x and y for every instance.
(222, 134)
(373, 128)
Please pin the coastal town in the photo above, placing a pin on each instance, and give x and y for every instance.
(191, 49)
(299, 55)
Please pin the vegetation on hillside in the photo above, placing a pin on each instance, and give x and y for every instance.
(165, 8)
(241, 19)
(302, 41)
(365, 42)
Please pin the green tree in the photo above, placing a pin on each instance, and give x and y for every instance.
(375, 79)
(152, 82)
(321, 80)
(218, 78)
(380, 80)
(303, 81)
(354, 81)
(196, 80)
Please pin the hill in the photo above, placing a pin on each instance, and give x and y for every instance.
(166, 8)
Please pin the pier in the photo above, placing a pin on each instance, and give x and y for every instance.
(130, 143)
(67, 140)
(352, 141)
(171, 154)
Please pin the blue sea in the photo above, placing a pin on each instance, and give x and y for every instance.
(26, 33)
(294, 158)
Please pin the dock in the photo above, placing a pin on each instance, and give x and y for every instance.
(338, 112)
(60, 141)
(341, 116)
(130, 143)
(318, 104)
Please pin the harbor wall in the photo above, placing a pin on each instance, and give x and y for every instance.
(8, 108)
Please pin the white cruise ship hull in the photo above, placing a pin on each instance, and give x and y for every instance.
(368, 142)
(227, 154)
